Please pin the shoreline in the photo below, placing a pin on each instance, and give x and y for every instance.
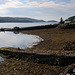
(52, 59)
(30, 28)
(17, 62)
(55, 40)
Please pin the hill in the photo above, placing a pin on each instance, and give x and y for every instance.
(52, 21)
(72, 19)
(19, 19)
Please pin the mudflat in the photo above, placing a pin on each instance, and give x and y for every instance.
(54, 39)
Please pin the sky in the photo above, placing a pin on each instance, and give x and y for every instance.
(38, 9)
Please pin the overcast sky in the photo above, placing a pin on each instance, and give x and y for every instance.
(38, 9)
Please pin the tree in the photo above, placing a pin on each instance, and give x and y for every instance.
(61, 20)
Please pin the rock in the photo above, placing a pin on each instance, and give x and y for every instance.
(16, 28)
(69, 46)
(74, 70)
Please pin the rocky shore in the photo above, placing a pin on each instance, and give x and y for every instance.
(47, 58)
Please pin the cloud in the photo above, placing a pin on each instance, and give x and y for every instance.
(11, 4)
(36, 3)
(33, 3)
(72, 1)
(3, 1)
(48, 4)
(38, 8)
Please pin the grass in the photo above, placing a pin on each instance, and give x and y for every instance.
(7, 48)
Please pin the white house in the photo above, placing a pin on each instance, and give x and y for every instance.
(67, 22)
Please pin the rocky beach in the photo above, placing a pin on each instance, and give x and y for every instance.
(46, 58)
(37, 37)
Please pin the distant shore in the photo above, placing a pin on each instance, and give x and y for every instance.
(30, 28)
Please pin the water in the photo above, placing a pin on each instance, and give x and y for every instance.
(23, 41)
(1, 59)
(11, 25)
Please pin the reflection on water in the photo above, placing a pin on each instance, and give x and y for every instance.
(1, 59)
(23, 41)
(16, 32)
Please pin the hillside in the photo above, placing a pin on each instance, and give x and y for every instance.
(18, 19)
(52, 21)
(72, 19)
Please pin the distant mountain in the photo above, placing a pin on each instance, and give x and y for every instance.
(19, 19)
(52, 21)
(72, 19)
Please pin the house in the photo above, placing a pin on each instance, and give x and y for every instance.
(67, 22)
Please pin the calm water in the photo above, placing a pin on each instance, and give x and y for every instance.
(23, 41)
(11, 25)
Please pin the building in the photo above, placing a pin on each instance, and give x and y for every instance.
(67, 22)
